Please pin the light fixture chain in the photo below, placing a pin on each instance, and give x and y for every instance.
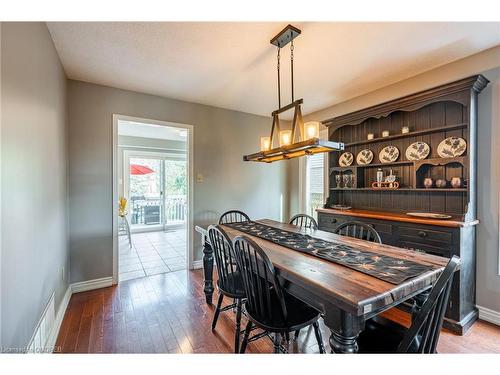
(279, 86)
(291, 63)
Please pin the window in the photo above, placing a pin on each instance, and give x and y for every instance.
(313, 182)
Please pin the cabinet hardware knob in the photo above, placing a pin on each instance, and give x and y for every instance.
(422, 234)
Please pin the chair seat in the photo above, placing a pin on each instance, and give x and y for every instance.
(382, 335)
(234, 286)
(300, 315)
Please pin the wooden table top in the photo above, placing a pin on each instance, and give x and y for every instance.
(351, 290)
(456, 221)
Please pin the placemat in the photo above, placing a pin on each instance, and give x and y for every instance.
(384, 267)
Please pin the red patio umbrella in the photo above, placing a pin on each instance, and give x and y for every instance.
(137, 169)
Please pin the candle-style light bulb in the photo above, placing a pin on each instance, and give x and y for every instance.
(285, 137)
(311, 130)
(265, 143)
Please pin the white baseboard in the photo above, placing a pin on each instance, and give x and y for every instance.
(84, 286)
(43, 329)
(197, 264)
(489, 315)
(59, 316)
(51, 342)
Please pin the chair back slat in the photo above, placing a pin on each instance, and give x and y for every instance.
(224, 257)
(233, 216)
(358, 230)
(423, 334)
(260, 280)
(304, 221)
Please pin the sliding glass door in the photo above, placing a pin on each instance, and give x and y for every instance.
(156, 188)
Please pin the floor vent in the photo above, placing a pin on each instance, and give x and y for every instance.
(38, 342)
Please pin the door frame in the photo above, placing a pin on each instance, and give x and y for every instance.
(190, 187)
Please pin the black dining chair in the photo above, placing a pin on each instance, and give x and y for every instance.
(268, 306)
(229, 282)
(233, 216)
(358, 230)
(385, 336)
(304, 221)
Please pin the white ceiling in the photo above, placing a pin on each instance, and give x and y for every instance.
(233, 65)
(139, 129)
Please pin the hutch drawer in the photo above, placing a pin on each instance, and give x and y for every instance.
(419, 234)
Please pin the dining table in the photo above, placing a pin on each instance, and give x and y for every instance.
(345, 296)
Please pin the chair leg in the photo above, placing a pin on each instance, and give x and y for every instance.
(317, 333)
(245, 337)
(127, 226)
(217, 310)
(277, 341)
(297, 333)
(238, 327)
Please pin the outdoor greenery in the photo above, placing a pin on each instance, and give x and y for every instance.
(176, 177)
(148, 185)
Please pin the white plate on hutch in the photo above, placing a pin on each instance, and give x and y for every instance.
(364, 157)
(429, 215)
(451, 147)
(417, 151)
(389, 154)
(346, 159)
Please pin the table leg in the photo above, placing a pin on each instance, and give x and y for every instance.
(345, 329)
(208, 265)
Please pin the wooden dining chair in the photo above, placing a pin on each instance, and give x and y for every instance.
(385, 336)
(267, 305)
(229, 281)
(233, 216)
(359, 230)
(304, 221)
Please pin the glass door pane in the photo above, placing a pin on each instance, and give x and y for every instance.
(145, 192)
(175, 192)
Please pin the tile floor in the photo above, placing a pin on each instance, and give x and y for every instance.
(152, 253)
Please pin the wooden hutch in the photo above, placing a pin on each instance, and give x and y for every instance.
(431, 115)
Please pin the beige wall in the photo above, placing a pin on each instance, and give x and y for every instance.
(221, 137)
(487, 63)
(33, 179)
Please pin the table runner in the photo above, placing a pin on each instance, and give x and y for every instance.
(384, 267)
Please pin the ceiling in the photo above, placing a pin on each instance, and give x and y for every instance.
(139, 129)
(233, 65)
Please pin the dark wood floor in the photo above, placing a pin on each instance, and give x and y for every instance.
(167, 313)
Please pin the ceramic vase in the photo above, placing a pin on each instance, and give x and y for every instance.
(456, 182)
(441, 183)
(428, 182)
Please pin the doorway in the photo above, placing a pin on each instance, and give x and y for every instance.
(152, 185)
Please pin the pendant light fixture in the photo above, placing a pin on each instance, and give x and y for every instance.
(308, 134)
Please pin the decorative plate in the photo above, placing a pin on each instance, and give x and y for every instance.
(451, 147)
(429, 215)
(346, 159)
(417, 151)
(341, 207)
(389, 154)
(364, 157)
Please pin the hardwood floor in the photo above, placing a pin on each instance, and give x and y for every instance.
(167, 313)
